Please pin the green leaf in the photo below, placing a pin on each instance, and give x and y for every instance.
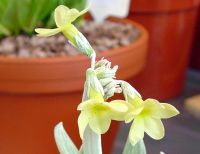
(4, 30)
(63, 141)
(139, 148)
(37, 12)
(81, 150)
(91, 142)
(10, 17)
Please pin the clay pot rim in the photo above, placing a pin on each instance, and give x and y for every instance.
(162, 6)
(143, 36)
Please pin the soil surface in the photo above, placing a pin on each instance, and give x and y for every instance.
(102, 37)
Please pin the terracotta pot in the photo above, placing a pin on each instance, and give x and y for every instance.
(171, 26)
(36, 94)
(195, 60)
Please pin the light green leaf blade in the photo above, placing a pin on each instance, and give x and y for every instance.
(138, 148)
(4, 30)
(63, 141)
(91, 142)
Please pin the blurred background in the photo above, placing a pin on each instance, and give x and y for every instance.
(156, 44)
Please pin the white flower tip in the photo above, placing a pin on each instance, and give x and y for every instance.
(58, 126)
(90, 72)
(133, 141)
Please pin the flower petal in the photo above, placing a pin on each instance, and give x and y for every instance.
(151, 106)
(119, 109)
(119, 105)
(154, 128)
(136, 102)
(83, 120)
(168, 111)
(129, 117)
(100, 122)
(84, 11)
(86, 104)
(136, 131)
(60, 15)
(160, 110)
(72, 15)
(47, 32)
(133, 112)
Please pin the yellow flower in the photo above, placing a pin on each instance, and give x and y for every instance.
(98, 114)
(63, 19)
(148, 118)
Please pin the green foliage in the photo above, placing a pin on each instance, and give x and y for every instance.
(18, 16)
(63, 141)
(139, 148)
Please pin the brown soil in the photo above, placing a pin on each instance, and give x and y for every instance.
(101, 36)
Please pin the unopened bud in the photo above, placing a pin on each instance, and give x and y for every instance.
(103, 72)
(102, 62)
(105, 81)
(83, 45)
(94, 87)
(129, 91)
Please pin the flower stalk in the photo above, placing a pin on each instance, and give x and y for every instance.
(96, 113)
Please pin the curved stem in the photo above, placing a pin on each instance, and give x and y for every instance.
(93, 59)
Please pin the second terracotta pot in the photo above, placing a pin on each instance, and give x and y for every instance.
(171, 26)
(195, 59)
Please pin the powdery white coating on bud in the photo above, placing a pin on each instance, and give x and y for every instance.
(118, 90)
(105, 81)
(103, 69)
(128, 90)
(83, 45)
(93, 82)
(103, 72)
(106, 76)
(111, 88)
(102, 62)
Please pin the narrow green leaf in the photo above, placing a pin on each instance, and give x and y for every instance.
(10, 17)
(63, 141)
(91, 142)
(4, 30)
(139, 148)
(81, 150)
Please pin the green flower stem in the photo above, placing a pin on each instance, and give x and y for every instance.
(93, 59)
(91, 141)
(139, 148)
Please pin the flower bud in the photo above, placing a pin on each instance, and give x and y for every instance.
(102, 62)
(128, 91)
(94, 87)
(106, 76)
(103, 72)
(105, 81)
(83, 45)
(112, 88)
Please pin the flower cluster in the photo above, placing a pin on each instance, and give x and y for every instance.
(63, 18)
(106, 76)
(101, 84)
(146, 115)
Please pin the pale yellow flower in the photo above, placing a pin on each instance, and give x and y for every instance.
(98, 114)
(63, 18)
(147, 117)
